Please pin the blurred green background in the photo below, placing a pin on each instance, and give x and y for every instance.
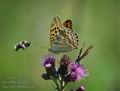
(97, 22)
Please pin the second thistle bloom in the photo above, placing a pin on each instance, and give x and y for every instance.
(71, 70)
(76, 71)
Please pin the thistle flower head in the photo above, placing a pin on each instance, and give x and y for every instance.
(49, 64)
(76, 71)
(49, 61)
(65, 60)
(63, 65)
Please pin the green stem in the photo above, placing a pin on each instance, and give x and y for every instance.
(57, 85)
(62, 84)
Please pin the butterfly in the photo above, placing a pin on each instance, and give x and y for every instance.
(62, 36)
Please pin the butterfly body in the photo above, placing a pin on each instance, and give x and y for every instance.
(62, 37)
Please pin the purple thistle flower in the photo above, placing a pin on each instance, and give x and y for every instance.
(49, 64)
(49, 61)
(76, 71)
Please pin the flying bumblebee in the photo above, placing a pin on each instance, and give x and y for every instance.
(22, 45)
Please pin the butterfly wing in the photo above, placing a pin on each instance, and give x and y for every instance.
(57, 39)
(71, 36)
(55, 27)
(68, 24)
(60, 36)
